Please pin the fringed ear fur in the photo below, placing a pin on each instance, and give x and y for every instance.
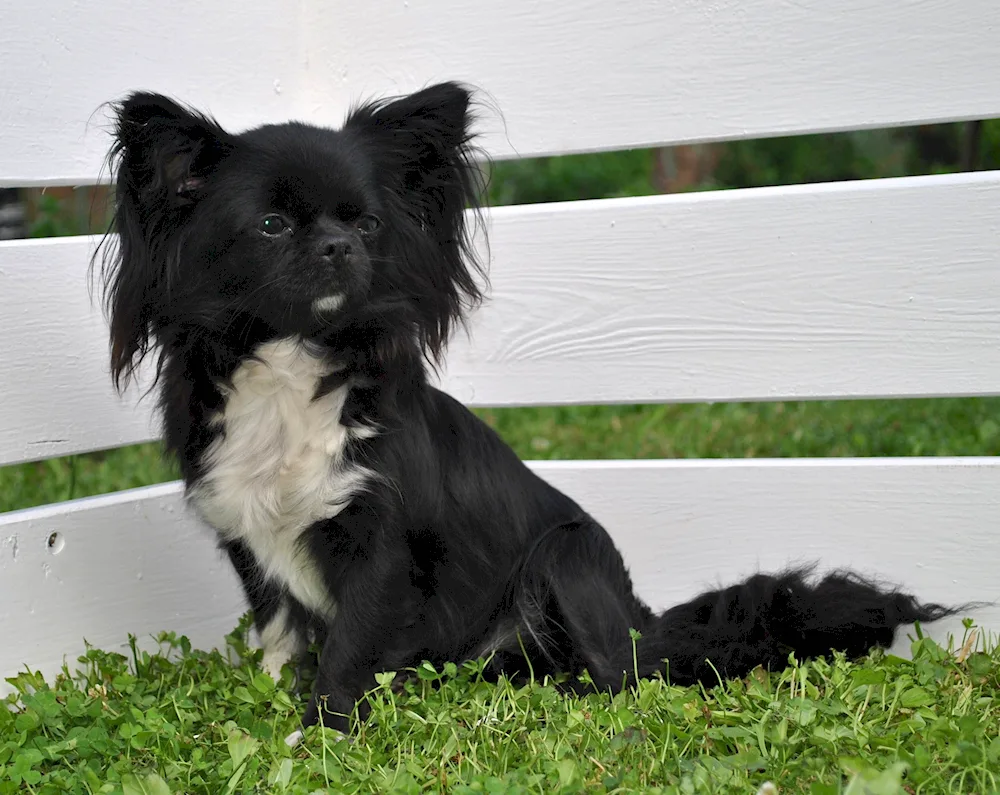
(161, 158)
(423, 141)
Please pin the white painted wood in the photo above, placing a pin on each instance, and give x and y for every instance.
(138, 562)
(863, 289)
(125, 563)
(574, 75)
(62, 62)
(878, 288)
(56, 384)
(583, 75)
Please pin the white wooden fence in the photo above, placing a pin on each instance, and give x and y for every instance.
(879, 288)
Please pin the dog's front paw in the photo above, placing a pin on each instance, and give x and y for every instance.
(273, 662)
(296, 736)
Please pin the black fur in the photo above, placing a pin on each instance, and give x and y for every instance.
(457, 549)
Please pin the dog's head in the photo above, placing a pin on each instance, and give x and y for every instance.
(290, 228)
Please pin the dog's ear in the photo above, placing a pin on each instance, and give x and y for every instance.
(435, 119)
(162, 158)
(165, 151)
(421, 145)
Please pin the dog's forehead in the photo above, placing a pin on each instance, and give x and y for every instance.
(315, 185)
(310, 166)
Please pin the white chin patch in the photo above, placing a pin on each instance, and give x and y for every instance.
(330, 303)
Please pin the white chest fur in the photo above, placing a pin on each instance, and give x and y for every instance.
(278, 464)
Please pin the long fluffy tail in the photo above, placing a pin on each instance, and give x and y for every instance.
(761, 620)
(576, 603)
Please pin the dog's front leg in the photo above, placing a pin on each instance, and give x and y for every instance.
(355, 647)
(279, 621)
(283, 638)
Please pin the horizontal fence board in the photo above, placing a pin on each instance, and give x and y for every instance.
(566, 76)
(62, 62)
(57, 392)
(138, 562)
(866, 289)
(584, 75)
(125, 564)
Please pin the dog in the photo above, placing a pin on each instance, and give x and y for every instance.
(295, 287)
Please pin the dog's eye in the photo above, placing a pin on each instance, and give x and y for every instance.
(368, 224)
(273, 226)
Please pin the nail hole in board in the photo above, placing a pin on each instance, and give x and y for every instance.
(56, 543)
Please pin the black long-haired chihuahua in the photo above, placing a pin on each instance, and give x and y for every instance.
(296, 284)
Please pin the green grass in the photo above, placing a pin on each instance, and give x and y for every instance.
(187, 721)
(960, 426)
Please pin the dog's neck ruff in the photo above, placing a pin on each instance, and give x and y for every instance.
(279, 463)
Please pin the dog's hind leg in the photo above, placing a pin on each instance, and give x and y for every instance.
(577, 604)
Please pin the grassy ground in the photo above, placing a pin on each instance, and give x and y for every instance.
(193, 722)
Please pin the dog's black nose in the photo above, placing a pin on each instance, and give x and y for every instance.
(336, 248)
